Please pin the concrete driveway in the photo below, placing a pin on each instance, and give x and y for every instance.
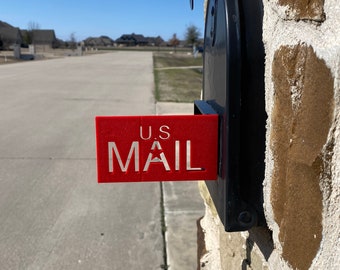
(53, 213)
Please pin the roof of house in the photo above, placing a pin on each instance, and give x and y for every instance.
(43, 36)
(98, 41)
(5, 25)
(154, 40)
(132, 39)
(9, 33)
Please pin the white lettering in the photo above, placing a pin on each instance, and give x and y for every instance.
(162, 158)
(141, 133)
(133, 156)
(177, 152)
(188, 158)
(167, 134)
(134, 149)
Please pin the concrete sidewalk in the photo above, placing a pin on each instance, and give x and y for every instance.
(182, 207)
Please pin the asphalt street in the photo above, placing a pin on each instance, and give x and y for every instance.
(53, 213)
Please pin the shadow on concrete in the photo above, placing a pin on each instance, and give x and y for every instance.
(263, 238)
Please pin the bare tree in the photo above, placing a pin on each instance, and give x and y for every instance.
(33, 26)
(72, 43)
(29, 35)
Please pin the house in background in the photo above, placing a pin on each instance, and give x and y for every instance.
(44, 40)
(9, 36)
(155, 41)
(102, 41)
(132, 40)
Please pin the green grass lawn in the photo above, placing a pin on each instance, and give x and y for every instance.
(177, 85)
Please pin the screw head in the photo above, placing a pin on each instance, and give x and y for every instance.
(245, 218)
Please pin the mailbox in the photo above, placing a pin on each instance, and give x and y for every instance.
(224, 141)
(233, 87)
(156, 148)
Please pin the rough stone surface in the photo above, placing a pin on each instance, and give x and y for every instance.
(304, 9)
(301, 188)
(301, 120)
(222, 250)
(305, 59)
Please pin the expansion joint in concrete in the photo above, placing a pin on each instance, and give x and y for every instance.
(163, 228)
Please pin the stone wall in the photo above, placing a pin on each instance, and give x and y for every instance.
(301, 185)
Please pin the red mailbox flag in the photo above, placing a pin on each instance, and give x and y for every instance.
(156, 148)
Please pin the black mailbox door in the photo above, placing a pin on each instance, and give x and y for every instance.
(233, 85)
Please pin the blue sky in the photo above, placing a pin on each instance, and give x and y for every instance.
(105, 17)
